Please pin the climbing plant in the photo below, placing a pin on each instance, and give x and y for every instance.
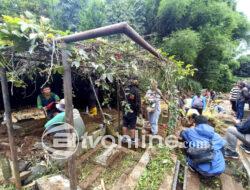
(29, 49)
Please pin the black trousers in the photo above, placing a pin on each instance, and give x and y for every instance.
(234, 105)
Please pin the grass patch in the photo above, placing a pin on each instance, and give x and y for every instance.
(111, 174)
(7, 187)
(88, 166)
(160, 163)
(239, 173)
(86, 169)
(213, 183)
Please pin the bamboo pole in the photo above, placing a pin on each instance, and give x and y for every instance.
(7, 110)
(67, 86)
(96, 97)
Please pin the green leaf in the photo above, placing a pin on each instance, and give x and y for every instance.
(110, 78)
(33, 36)
(103, 77)
(24, 26)
(44, 20)
(83, 54)
(113, 59)
(76, 64)
(32, 47)
(17, 33)
(5, 31)
(95, 66)
(29, 14)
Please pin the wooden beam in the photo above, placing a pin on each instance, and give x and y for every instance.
(191, 180)
(67, 86)
(7, 110)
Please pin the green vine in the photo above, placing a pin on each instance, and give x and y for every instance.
(32, 39)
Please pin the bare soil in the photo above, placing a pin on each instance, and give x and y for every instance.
(31, 131)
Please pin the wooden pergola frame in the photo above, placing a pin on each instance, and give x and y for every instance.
(120, 28)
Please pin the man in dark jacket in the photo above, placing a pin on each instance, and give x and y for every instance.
(241, 131)
(248, 87)
(241, 100)
(133, 99)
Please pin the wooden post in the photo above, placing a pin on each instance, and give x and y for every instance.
(67, 86)
(7, 110)
(96, 97)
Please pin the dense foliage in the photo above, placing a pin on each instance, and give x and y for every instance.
(210, 43)
(34, 38)
(244, 68)
(29, 49)
(202, 33)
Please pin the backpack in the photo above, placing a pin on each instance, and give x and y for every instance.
(200, 155)
(198, 103)
(248, 89)
(246, 93)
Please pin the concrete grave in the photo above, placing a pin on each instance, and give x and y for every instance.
(57, 182)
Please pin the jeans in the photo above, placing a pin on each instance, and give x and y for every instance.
(232, 136)
(240, 109)
(153, 120)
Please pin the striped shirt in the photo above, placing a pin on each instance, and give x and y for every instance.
(234, 93)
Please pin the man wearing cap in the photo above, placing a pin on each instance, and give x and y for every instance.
(60, 117)
(47, 100)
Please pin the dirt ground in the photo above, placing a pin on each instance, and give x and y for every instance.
(31, 131)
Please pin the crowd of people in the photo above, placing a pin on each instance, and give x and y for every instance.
(205, 149)
(55, 109)
(239, 96)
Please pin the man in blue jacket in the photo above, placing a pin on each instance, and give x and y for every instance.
(240, 131)
(203, 134)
